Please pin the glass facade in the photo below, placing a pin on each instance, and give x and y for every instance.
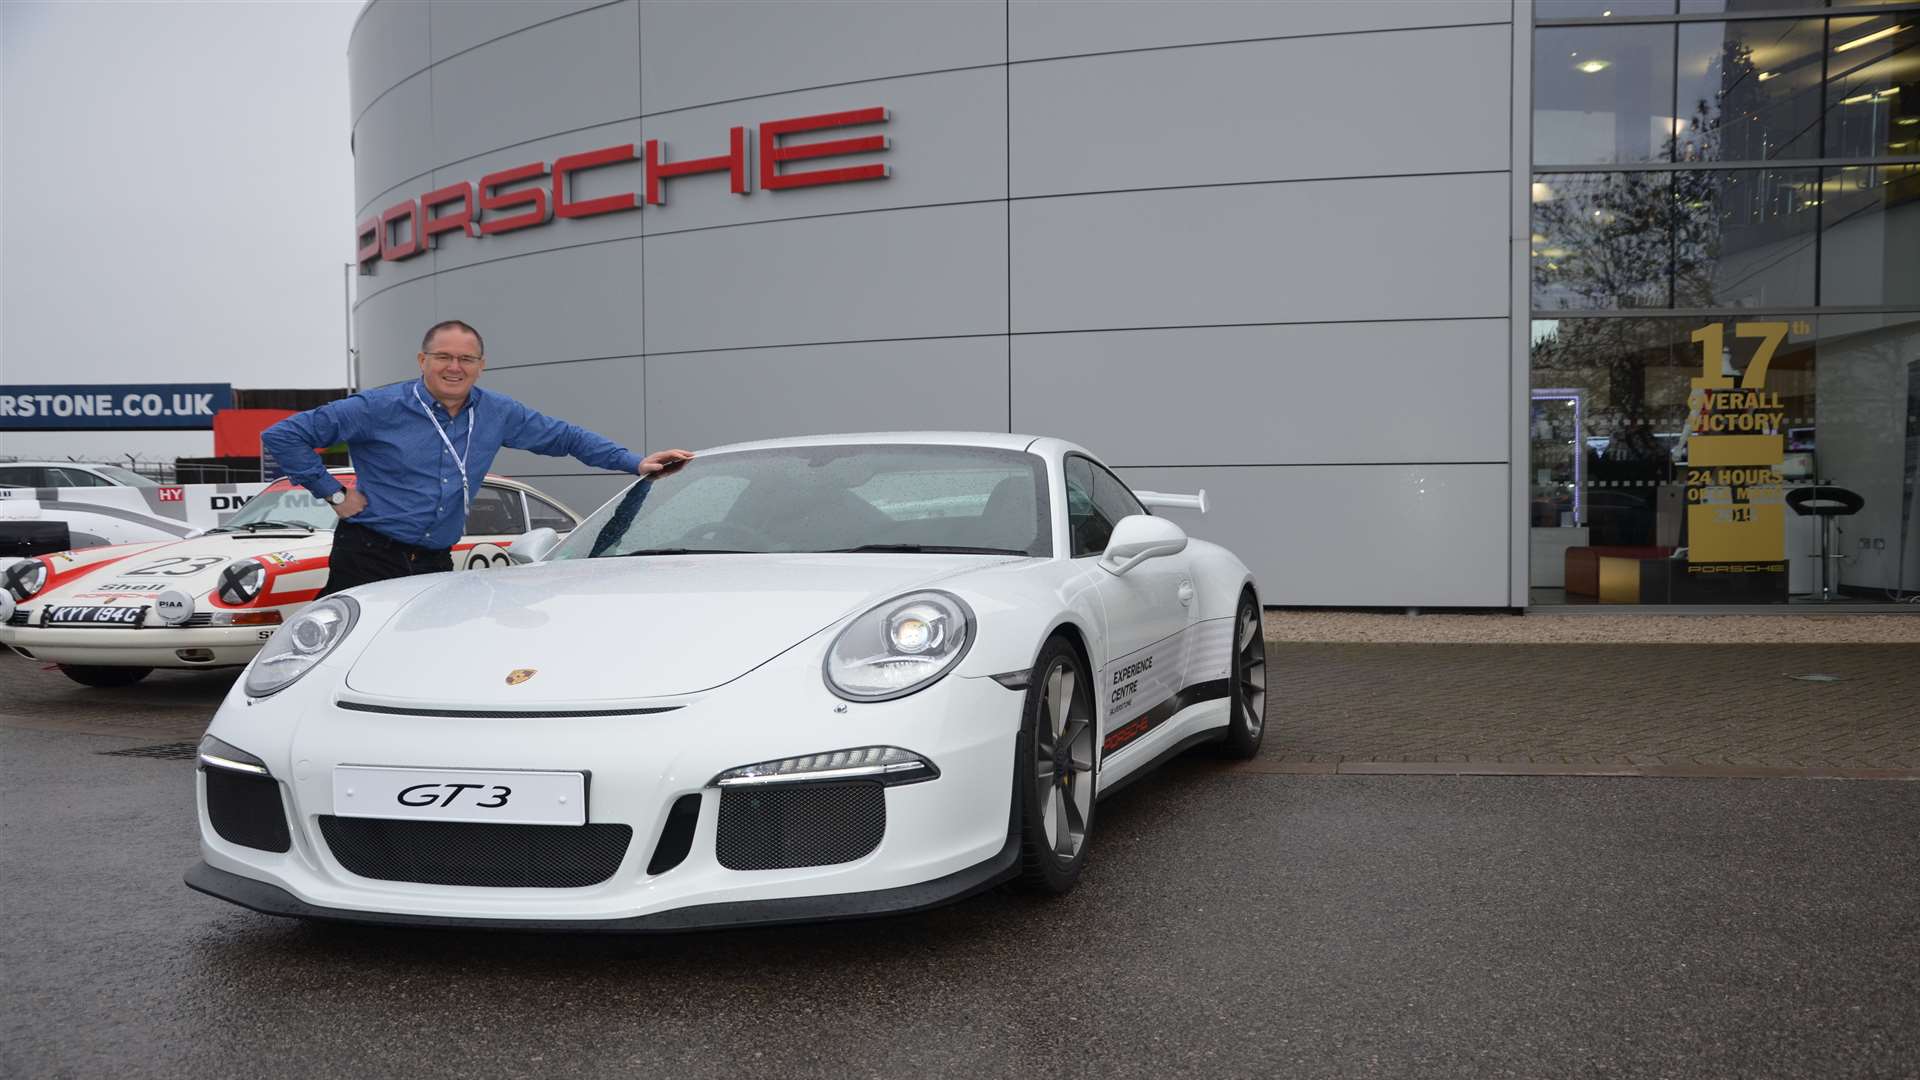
(1725, 279)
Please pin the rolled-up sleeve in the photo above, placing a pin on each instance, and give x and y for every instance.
(292, 441)
(541, 434)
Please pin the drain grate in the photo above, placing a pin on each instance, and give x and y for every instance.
(168, 751)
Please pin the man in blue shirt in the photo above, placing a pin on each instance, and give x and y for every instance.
(420, 450)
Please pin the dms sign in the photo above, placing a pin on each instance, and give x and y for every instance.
(534, 194)
(123, 407)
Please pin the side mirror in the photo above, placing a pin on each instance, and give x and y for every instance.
(1139, 537)
(532, 546)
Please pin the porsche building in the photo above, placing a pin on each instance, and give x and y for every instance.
(1446, 303)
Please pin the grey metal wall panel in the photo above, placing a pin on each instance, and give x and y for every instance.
(1355, 535)
(698, 52)
(1041, 28)
(1260, 395)
(948, 135)
(709, 398)
(628, 176)
(570, 73)
(394, 140)
(568, 304)
(600, 395)
(387, 329)
(388, 45)
(1264, 110)
(459, 25)
(935, 272)
(1324, 250)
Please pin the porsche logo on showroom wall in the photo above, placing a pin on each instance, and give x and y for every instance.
(540, 191)
(520, 675)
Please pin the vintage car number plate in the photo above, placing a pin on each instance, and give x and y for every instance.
(81, 615)
(488, 795)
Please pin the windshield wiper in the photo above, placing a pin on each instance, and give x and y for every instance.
(253, 525)
(679, 551)
(924, 549)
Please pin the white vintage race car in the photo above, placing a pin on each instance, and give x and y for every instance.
(109, 615)
(803, 679)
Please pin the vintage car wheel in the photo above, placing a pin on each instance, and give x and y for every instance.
(104, 677)
(1247, 684)
(1054, 771)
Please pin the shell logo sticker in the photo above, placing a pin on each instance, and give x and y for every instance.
(520, 675)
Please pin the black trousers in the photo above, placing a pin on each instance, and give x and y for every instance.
(361, 556)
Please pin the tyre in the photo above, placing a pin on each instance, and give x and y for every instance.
(1054, 770)
(1247, 683)
(104, 677)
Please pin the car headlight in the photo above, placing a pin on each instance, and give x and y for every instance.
(901, 646)
(25, 578)
(240, 582)
(300, 644)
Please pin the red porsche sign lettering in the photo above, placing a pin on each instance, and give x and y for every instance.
(536, 193)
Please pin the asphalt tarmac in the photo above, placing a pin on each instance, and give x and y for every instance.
(1229, 924)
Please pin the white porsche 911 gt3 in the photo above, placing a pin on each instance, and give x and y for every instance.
(109, 615)
(801, 679)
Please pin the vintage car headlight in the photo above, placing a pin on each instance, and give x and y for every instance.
(240, 582)
(899, 647)
(25, 578)
(301, 643)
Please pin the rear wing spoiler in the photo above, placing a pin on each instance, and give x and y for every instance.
(1160, 500)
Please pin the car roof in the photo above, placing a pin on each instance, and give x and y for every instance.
(55, 464)
(996, 440)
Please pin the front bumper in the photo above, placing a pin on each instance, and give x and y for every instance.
(944, 839)
(156, 646)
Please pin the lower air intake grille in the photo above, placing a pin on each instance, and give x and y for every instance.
(245, 809)
(462, 853)
(782, 826)
(20, 617)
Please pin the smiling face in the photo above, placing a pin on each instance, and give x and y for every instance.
(451, 364)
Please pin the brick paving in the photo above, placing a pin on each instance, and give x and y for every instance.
(1719, 707)
(1368, 707)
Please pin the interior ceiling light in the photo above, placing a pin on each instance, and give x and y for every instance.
(1765, 75)
(1593, 67)
(1875, 36)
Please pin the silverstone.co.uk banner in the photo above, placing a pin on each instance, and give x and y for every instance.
(126, 407)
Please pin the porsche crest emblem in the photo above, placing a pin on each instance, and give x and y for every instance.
(520, 675)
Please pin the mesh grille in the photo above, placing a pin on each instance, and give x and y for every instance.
(780, 827)
(464, 853)
(245, 809)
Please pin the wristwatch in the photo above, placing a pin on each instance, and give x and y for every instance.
(337, 497)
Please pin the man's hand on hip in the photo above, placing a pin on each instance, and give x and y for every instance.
(663, 463)
(351, 505)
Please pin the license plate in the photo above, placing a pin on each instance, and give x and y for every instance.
(521, 797)
(78, 615)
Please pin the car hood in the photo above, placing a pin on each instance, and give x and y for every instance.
(192, 566)
(623, 629)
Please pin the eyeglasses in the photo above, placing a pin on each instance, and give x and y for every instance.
(463, 358)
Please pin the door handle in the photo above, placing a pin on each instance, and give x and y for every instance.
(1186, 593)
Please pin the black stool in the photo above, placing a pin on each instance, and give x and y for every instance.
(1826, 503)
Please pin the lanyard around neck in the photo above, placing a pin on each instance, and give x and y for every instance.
(459, 459)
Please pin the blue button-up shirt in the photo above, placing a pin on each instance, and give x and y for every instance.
(406, 472)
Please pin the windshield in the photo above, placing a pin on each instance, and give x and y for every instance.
(960, 499)
(126, 477)
(284, 503)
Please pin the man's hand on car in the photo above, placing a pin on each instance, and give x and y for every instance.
(663, 463)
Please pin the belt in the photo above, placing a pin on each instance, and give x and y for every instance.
(411, 551)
